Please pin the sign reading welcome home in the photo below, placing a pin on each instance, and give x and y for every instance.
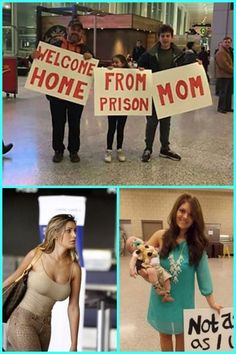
(61, 73)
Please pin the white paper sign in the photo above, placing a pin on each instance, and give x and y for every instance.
(61, 73)
(122, 92)
(180, 90)
(206, 330)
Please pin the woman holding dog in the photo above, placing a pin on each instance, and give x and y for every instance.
(183, 254)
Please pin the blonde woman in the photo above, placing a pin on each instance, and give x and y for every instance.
(55, 275)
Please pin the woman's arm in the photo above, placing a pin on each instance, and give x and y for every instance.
(211, 302)
(156, 239)
(132, 265)
(24, 264)
(205, 282)
(73, 307)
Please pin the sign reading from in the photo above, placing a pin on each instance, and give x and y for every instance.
(206, 330)
(180, 90)
(122, 92)
(61, 73)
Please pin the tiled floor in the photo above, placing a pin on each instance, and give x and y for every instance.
(136, 334)
(203, 138)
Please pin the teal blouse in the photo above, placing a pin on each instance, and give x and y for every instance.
(167, 317)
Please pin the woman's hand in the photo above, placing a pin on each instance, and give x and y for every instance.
(217, 307)
(213, 305)
(133, 273)
(87, 56)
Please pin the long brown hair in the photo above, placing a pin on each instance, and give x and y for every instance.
(56, 226)
(196, 239)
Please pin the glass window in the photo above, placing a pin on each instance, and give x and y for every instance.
(179, 13)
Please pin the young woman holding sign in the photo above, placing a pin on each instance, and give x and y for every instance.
(55, 275)
(182, 254)
(116, 123)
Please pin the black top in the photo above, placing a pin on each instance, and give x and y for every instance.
(151, 58)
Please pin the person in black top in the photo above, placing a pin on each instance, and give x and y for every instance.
(116, 123)
(138, 51)
(190, 54)
(203, 56)
(163, 55)
(61, 109)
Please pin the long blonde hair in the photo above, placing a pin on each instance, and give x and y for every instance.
(56, 226)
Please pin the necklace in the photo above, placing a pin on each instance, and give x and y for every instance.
(175, 265)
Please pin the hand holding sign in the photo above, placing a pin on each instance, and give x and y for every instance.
(87, 56)
(217, 307)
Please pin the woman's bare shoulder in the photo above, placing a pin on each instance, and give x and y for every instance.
(157, 237)
(76, 269)
(31, 254)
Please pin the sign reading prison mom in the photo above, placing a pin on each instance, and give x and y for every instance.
(122, 92)
(180, 90)
(61, 73)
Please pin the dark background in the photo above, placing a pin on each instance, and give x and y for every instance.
(21, 218)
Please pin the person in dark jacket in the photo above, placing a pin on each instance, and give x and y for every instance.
(62, 109)
(163, 55)
(138, 51)
(203, 56)
(190, 55)
(224, 74)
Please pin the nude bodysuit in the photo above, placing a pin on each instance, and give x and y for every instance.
(29, 327)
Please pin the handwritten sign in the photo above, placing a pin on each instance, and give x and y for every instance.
(180, 90)
(122, 92)
(206, 330)
(61, 73)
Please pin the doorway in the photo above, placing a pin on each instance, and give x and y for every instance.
(149, 227)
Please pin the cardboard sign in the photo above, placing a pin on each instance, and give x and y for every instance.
(122, 92)
(61, 73)
(206, 330)
(180, 90)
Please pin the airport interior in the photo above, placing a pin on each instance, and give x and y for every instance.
(202, 137)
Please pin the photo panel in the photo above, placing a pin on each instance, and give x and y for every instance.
(176, 269)
(69, 238)
(92, 121)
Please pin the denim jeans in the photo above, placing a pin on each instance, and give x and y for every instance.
(151, 126)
